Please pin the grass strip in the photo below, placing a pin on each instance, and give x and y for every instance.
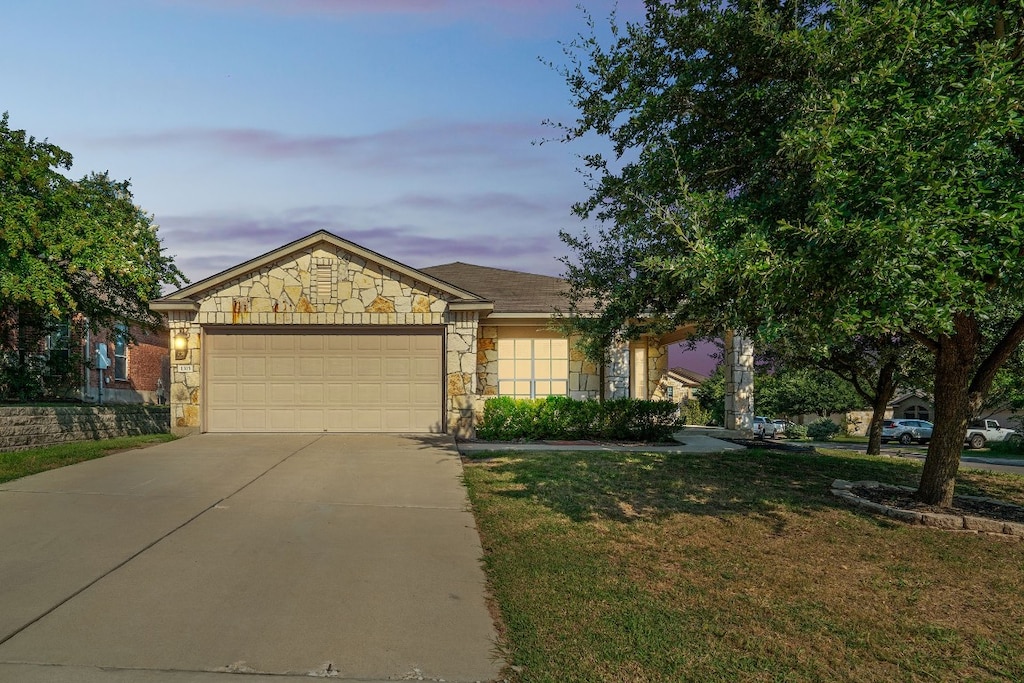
(17, 464)
(738, 566)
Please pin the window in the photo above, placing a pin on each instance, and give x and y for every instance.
(916, 413)
(533, 368)
(670, 393)
(120, 352)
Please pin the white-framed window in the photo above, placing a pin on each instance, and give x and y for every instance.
(533, 368)
(120, 352)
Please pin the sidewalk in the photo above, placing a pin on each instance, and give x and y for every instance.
(689, 443)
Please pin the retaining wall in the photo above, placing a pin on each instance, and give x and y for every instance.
(29, 427)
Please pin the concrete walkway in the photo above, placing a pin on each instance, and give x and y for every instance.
(345, 556)
(689, 443)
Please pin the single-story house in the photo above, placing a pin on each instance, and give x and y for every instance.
(323, 335)
(679, 384)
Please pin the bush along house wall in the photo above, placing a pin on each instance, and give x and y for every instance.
(24, 427)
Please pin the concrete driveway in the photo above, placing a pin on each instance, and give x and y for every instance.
(344, 556)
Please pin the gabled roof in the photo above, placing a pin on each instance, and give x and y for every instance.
(185, 297)
(685, 376)
(510, 290)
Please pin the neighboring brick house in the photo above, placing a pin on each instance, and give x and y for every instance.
(322, 335)
(139, 370)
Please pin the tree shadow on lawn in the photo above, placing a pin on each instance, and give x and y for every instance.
(629, 487)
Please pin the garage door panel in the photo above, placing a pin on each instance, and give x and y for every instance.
(251, 420)
(367, 420)
(223, 394)
(310, 420)
(397, 394)
(311, 394)
(339, 367)
(281, 366)
(311, 368)
(281, 343)
(368, 367)
(332, 382)
(250, 342)
(339, 395)
(281, 394)
(397, 368)
(252, 366)
(223, 367)
(368, 343)
(252, 394)
(368, 394)
(340, 342)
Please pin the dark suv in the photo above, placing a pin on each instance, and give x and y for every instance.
(906, 431)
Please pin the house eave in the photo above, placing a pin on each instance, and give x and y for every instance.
(168, 305)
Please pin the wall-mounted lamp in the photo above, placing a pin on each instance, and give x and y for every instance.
(180, 346)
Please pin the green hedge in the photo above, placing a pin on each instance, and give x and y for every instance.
(560, 417)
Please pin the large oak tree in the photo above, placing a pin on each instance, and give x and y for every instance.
(68, 249)
(850, 168)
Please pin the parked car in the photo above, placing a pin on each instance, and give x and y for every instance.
(782, 426)
(981, 432)
(763, 427)
(906, 431)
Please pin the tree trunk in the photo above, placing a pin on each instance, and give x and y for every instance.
(884, 390)
(955, 358)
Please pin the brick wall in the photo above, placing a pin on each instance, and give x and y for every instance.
(29, 427)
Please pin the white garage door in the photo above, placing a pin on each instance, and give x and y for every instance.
(271, 382)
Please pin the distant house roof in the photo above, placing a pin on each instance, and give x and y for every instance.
(685, 376)
(510, 290)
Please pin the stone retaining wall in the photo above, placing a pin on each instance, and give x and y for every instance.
(29, 427)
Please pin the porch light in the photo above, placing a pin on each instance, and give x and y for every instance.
(180, 346)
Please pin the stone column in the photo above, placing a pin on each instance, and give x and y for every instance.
(461, 359)
(739, 382)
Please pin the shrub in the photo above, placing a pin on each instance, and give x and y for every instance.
(692, 413)
(823, 429)
(508, 419)
(796, 431)
(560, 417)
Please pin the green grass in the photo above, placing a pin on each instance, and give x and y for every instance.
(844, 438)
(741, 566)
(17, 464)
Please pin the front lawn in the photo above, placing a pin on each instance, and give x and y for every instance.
(741, 566)
(17, 464)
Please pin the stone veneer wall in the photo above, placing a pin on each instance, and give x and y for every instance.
(325, 286)
(657, 367)
(30, 427)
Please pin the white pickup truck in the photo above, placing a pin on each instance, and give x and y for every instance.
(980, 432)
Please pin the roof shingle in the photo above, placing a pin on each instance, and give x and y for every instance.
(510, 290)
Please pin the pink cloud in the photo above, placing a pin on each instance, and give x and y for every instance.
(206, 244)
(417, 146)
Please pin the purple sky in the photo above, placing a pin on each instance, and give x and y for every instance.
(410, 127)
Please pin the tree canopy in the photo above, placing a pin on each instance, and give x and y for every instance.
(70, 246)
(847, 168)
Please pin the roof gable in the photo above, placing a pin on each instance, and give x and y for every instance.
(214, 283)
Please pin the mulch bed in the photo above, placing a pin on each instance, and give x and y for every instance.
(904, 500)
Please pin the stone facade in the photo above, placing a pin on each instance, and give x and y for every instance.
(324, 282)
(326, 285)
